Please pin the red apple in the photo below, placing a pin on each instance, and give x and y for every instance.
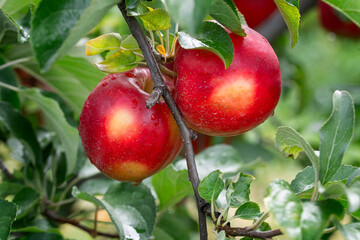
(226, 102)
(122, 138)
(255, 11)
(336, 22)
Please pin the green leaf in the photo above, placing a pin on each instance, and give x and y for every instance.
(55, 120)
(171, 186)
(354, 177)
(72, 78)
(130, 43)
(70, 20)
(285, 207)
(351, 193)
(120, 61)
(10, 31)
(304, 180)
(8, 76)
(16, 9)
(189, 13)
(25, 199)
(335, 135)
(7, 217)
(349, 231)
(45, 236)
(157, 19)
(226, 13)
(239, 191)
(349, 7)
(249, 211)
(20, 127)
(96, 186)
(211, 37)
(221, 156)
(132, 209)
(109, 41)
(289, 9)
(130, 4)
(289, 142)
(211, 186)
(305, 221)
(9, 188)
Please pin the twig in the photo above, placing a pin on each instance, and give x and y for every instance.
(6, 172)
(17, 61)
(234, 232)
(53, 216)
(186, 133)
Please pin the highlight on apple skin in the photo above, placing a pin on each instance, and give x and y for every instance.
(255, 11)
(122, 138)
(334, 22)
(227, 102)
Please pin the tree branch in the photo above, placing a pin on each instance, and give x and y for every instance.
(186, 133)
(53, 216)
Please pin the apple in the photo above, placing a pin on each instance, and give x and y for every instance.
(255, 11)
(122, 138)
(337, 23)
(227, 102)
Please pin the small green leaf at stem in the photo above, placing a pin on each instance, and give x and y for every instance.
(336, 134)
(211, 37)
(289, 9)
(239, 191)
(211, 186)
(120, 61)
(249, 211)
(109, 41)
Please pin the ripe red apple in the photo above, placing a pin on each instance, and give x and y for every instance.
(122, 138)
(336, 22)
(255, 11)
(226, 102)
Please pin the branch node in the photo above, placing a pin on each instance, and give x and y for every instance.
(193, 134)
(155, 96)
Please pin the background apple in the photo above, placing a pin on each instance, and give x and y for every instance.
(255, 11)
(226, 102)
(337, 23)
(122, 138)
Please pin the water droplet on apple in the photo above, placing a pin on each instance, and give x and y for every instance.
(134, 103)
(104, 84)
(113, 78)
(153, 117)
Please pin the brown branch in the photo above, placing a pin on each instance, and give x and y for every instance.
(6, 172)
(186, 133)
(53, 216)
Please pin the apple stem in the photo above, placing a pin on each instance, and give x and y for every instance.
(161, 90)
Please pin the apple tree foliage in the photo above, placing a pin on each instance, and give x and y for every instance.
(45, 78)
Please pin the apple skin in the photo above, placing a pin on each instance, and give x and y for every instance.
(122, 138)
(255, 11)
(335, 24)
(227, 102)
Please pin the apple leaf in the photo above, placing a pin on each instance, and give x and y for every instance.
(55, 120)
(16, 9)
(211, 37)
(8, 76)
(69, 21)
(171, 186)
(305, 220)
(351, 193)
(25, 199)
(131, 208)
(211, 186)
(189, 13)
(239, 191)
(157, 19)
(120, 61)
(249, 211)
(130, 43)
(220, 156)
(131, 4)
(336, 134)
(109, 41)
(226, 13)
(8, 213)
(349, 7)
(10, 31)
(291, 143)
(289, 9)
(20, 127)
(349, 231)
(304, 180)
(44, 236)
